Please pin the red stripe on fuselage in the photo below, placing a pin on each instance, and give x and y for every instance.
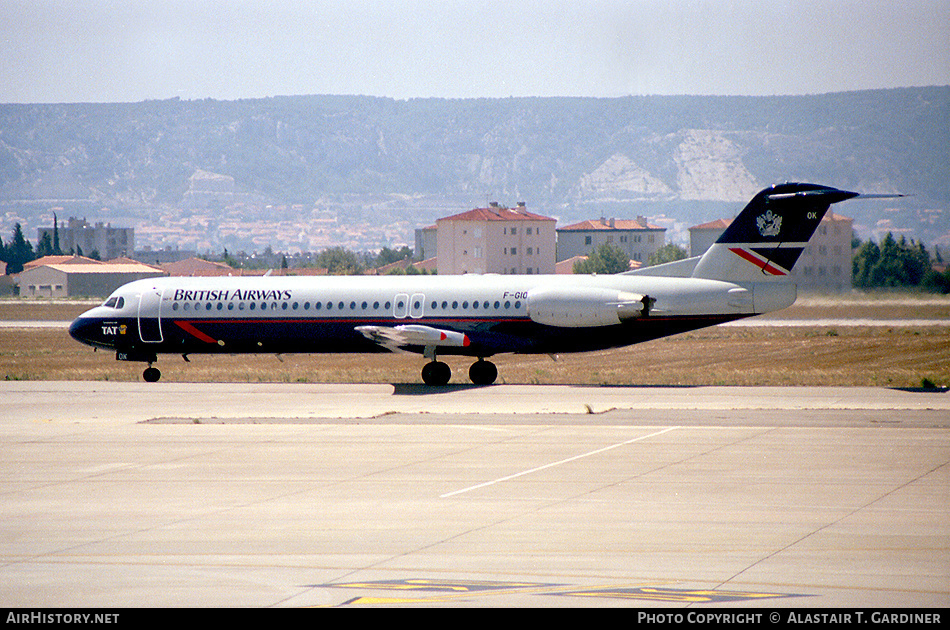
(191, 330)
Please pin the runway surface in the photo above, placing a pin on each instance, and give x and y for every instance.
(298, 495)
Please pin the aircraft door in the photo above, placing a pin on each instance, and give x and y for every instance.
(150, 325)
(400, 306)
(417, 305)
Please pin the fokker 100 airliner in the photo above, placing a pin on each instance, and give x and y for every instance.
(744, 273)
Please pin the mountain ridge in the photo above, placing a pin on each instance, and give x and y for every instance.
(570, 157)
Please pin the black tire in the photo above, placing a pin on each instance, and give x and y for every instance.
(483, 372)
(151, 375)
(436, 373)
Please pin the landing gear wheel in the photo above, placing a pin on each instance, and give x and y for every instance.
(436, 373)
(483, 372)
(151, 375)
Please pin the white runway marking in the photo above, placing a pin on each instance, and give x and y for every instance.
(553, 464)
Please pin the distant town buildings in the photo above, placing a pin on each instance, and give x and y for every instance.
(81, 238)
(163, 256)
(427, 243)
(701, 237)
(504, 240)
(636, 237)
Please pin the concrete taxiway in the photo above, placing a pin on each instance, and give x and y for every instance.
(294, 495)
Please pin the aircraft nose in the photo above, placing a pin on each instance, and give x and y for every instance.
(83, 330)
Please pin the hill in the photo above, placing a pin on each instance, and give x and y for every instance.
(365, 160)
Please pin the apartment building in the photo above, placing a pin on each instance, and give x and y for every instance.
(79, 237)
(636, 237)
(498, 240)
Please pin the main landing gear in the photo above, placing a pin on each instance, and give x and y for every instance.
(436, 372)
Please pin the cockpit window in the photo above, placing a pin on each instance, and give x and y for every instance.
(115, 302)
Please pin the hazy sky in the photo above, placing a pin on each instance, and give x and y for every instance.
(112, 50)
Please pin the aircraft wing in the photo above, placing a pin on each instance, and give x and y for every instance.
(395, 337)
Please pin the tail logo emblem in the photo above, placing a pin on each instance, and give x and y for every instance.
(769, 224)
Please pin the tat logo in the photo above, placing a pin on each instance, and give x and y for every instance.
(769, 224)
(112, 329)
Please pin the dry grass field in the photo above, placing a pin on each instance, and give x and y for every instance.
(898, 355)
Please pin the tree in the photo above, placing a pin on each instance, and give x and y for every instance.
(45, 246)
(936, 282)
(895, 263)
(56, 249)
(606, 259)
(18, 252)
(229, 260)
(339, 262)
(668, 253)
(387, 256)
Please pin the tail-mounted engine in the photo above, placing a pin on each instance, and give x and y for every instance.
(579, 307)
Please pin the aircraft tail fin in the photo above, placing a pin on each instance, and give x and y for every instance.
(765, 240)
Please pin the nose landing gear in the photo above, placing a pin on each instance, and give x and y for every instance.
(151, 374)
